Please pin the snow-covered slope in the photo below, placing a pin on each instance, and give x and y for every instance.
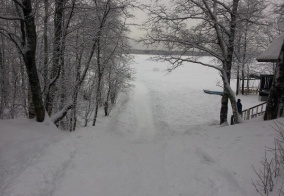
(162, 139)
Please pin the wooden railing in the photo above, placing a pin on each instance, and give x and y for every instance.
(249, 90)
(252, 112)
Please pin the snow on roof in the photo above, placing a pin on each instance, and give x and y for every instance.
(271, 54)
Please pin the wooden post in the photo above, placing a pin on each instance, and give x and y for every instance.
(248, 114)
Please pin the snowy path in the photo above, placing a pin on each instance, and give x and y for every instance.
(120, 165)
(143, 113)
(156, 142)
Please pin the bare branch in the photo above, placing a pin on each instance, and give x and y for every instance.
(12, 37)
(177, 61)
(11, 18)
(20, 4)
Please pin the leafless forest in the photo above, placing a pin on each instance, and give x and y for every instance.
(68, 58)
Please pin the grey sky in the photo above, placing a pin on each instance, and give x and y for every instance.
(141, 17)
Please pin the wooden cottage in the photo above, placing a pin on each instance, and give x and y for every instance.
(270, 55)
(275, 54)
(271, 86)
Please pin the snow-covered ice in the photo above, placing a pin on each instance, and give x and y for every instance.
(161, 139)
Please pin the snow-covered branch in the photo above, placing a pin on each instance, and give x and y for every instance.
(177, 61)
(55, 118)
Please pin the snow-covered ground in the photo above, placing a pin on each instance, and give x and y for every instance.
(161, 139)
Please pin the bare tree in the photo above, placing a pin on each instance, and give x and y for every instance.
(101, 21)
(214, 34)
(108, 43)
(67, 54)
(253, 19)
(26, 44)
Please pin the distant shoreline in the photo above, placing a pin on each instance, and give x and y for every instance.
(164, 52)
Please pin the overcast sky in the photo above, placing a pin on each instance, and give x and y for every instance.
(141, 17)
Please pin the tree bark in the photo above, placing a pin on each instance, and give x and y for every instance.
(45, 47)
(227, 66)
(29, 59)
(98, 92)
(224, 108)
(55, 70)
(2, 82)
(31, 108)
(238, 80)
(73, 118)
(243, 80)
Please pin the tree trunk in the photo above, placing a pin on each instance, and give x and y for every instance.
(2, 82)
(224, 108)
(55, 70)
(31, 107)
(244, 57)
(238, 66)
(243, 80)
(238, 80)
(45, 47)
(63, 79)
(29, 59)
(228, 95)
(227, 66)
(277, 90)
(98, 92)
(14, 97)
(24, 88)
(100, 75)
(63, 99)
(247, 91)
(73, 119)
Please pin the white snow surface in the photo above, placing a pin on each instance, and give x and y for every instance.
(161, 139)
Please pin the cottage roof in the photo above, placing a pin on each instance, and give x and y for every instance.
(271, 54)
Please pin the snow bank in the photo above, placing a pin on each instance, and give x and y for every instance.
(22, 141)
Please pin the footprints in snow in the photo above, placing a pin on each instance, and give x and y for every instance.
(205, 157)
(206, 173)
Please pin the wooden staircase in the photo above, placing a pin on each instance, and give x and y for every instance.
(252, 112)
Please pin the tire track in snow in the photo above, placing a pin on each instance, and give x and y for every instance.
(145, 129)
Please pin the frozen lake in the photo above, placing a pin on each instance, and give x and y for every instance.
(177, 97)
